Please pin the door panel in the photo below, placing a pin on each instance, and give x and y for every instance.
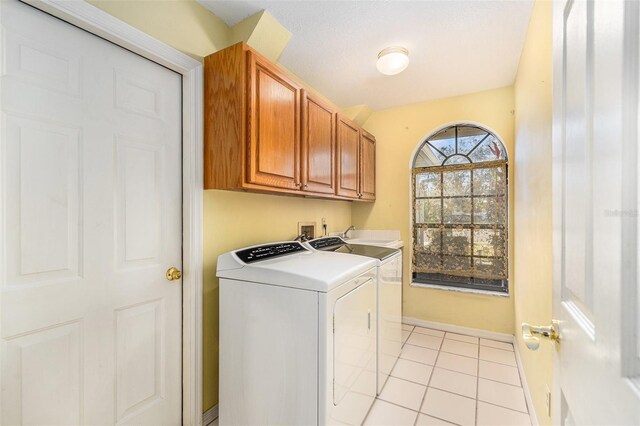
(45, 201)
(90, 169)
(577, 284)
(139, 359)
(274, 122)
(48, 368)
(348, 152)
(318, 146)
(139, 222)
(594, 179)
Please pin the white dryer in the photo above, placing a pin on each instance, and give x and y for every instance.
(389, 297)
(297, 336)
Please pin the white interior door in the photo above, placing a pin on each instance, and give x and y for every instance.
(595, 157)
(90, 216)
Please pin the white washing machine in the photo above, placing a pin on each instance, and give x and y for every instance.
(297, 336)
(389, 297)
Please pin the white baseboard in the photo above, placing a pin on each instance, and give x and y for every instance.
(477, 332)
(527, 393)
(210, 415)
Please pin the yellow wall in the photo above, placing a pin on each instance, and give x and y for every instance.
(231, 219)
(533, 249)
(398, 131)
(182, 24)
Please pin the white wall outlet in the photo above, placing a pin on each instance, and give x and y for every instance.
(547, 400)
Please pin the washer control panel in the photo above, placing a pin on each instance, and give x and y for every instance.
(323, 243)
(269, 251)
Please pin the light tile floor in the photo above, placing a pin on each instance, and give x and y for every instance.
(447, 378)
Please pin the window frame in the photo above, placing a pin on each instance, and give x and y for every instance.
(500, 286)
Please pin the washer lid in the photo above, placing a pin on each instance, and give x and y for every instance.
(298, 268)
(338, 245)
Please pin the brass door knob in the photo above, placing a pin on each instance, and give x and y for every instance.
(529, 333)
(173, 273)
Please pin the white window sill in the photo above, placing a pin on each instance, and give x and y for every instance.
(460, 290)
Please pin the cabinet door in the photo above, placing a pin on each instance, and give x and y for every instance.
(274, 124)
(318, 145)
(348, 135)
(367, 166)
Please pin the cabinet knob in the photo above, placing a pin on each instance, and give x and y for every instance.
(298, 185)
(306, 186)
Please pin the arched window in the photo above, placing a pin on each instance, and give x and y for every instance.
(460, 207)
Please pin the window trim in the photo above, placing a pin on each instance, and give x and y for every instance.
(412, 170)
(461, 289)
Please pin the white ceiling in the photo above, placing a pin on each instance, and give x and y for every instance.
(455, 46)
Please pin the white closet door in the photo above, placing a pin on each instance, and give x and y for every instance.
(90, 169)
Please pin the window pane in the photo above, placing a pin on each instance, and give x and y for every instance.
(489, 211)
(490, 267)
(427, 156)
(457, 264)
(456, 159)
(489, 150)
(457, 182)
(428, 262)
(488, 242)
(457, 242)
(445, 141)
(456, 210)
(428, 211)
(469, 137)
(428, 240)
(489, 181)
(428, 185)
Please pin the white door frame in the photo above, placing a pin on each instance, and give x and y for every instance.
(100, 23)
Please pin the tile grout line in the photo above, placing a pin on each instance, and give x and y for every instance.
(461, 372)
(377, 397)
(477, 400)
(424, 397)
(451, 392)
(480, 359)
(390, 375)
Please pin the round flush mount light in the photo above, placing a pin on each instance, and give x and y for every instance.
(392, 60)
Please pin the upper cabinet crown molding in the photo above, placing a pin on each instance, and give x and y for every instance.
(265, 132)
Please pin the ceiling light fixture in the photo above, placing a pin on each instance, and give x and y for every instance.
(392, 60)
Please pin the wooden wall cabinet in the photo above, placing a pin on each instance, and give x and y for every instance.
(266, 133)
(318, 145)
(367, 184)
(274, 126)
(348, 136)
(356, 161)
